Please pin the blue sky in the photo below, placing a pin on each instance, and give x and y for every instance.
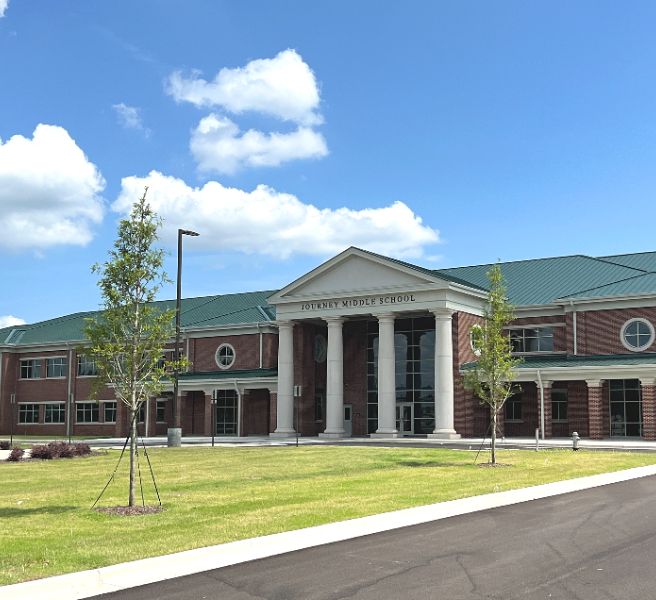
(444, 133)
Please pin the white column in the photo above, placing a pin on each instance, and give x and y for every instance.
(334, 379)
(285, 404)
(386, 378)
(443, 377)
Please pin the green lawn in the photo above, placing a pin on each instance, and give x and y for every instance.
(214, 495)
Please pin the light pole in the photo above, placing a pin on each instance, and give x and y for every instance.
(174, 434)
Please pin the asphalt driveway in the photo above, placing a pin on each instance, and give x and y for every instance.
(596, 544)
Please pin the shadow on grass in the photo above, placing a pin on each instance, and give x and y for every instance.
(42, 510)
(410, 463)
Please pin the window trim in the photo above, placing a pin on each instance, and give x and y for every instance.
(216, 356)
(538, 337)
(652, 334)
(59, 404)
(106, 405)
(87, 402)
(36, 359)
(80, 357)
(158, 404)
(31, 405)
(64, 365)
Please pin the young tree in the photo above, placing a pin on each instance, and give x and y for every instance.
(492, 376)
(128, 337)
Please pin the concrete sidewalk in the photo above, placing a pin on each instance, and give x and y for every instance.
(632, 444)
(90, 583)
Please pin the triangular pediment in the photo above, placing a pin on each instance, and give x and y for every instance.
(355, 271)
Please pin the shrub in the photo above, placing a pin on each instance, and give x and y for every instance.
(41, 451)
(82, 449)
(16, 455)
(61, 450)
(4, 445)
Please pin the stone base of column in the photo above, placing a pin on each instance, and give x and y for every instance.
(444, 434)
(174, 437)
(283, 433)
(333, 434)
(386, 434)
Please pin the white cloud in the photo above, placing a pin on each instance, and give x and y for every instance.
(10, 321)
(129, 117)
(218, 145)
(3, 7)
(273, 223)
(49, 191)
(284, 87)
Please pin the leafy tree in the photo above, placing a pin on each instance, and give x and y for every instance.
(128, 337)
(491, 377)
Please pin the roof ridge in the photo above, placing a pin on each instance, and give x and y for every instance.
(628, 254)
(610, 262)
(597, 287)
(510, 262)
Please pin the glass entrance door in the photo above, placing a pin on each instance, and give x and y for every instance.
(405, 418)
(226, 412)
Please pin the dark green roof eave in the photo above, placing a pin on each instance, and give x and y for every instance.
(235, 374)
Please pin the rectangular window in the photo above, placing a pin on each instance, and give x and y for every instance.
(536, 339)
(513, 408)
(55, 413)
(142, 413)
(160, 411)
(109, 412)
(56, 367)
(86, 366)
(28, 413)
(87, 412)
(30, 368)
(559, 405)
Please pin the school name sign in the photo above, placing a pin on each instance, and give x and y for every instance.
(358, 302)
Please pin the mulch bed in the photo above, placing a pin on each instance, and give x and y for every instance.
(130, 511)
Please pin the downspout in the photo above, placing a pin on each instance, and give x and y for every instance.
(541, 403)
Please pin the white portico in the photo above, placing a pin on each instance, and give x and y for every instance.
(358, 285)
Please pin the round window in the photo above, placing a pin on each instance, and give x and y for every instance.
(476, 339)
(225, 356)
(637, 335)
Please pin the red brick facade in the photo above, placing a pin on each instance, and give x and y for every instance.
(598, 333)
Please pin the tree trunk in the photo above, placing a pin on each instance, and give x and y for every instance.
(133, 453)
(493, 445)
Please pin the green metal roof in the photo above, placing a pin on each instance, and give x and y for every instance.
(641, 260)
(632, 286)
(529, 282)
(207, 311)
(240, 374)
(545, 280)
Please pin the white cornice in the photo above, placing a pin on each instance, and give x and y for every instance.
(589, 372)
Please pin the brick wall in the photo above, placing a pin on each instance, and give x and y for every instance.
(247, 352)
(598, 332)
